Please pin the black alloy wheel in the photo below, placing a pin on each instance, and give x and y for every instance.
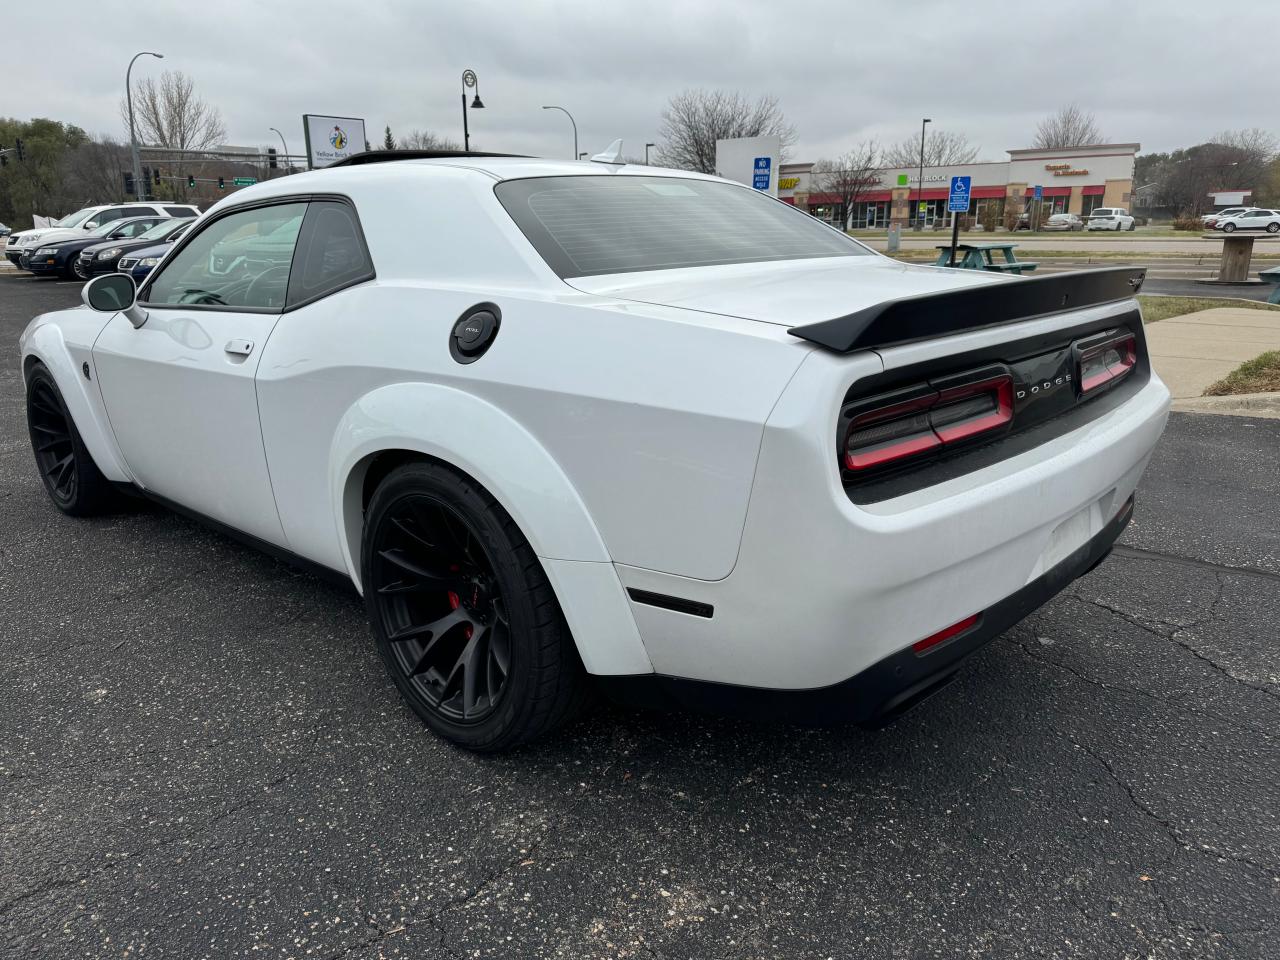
(51, 440)
(71, 478)
(442, 608)
(465, 619)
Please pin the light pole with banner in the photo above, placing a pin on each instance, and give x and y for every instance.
(140, 190)
(469, 80)
(571, 120)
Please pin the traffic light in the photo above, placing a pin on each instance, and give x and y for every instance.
(128, 184)
(222, 184)
(22, 153)
(191, 183)
(272, 162)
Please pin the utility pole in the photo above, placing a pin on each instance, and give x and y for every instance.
(920, 183)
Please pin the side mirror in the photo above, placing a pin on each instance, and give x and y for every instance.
(114, 293)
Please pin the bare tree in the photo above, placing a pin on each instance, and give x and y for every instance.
(168, 113)
(849, 177)
(941, 149)
(96, 169)
(426, 140)
(1071, 126)
(694, 120)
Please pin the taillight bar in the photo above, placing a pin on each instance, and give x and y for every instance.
(927, 417)
(1104, 360)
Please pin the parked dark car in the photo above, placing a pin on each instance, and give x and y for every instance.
(63, 257)
(139, 263)
(104, 257)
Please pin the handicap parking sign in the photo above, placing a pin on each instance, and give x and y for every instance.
(761, 172)
(958, 199)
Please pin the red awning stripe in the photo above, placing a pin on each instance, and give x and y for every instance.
(1093, 191)
(981, 193)
(1051, 192)
(816, 199)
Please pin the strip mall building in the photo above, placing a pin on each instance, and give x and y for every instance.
(1075, 180)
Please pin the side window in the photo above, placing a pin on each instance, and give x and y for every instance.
(104, 216)
(240, 260)
(331, 253)
(179, 211)
(136, 227)
(139, 211)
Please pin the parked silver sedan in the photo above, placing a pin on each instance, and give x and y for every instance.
(1063, 221)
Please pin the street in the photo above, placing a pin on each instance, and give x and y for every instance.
(203, 756)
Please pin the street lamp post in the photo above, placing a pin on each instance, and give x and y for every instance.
(469, 80)
(138, 188)
(283, 144)
(646, 152)
(571, 120)
(920, 183)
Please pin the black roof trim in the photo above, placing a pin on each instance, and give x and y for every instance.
(931, 315)
(386, 156)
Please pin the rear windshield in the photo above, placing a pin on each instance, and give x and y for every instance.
(586, 226)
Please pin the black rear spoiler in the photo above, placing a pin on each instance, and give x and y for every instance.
(932, 315)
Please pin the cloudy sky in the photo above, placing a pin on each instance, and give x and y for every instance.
(843, 70)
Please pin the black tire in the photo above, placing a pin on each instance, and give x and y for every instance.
(70, 477)
(73, 271)
(450, 585)
(1228, 228)
(1273, 228)
(1133, 226)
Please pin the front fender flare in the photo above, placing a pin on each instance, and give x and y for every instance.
(45, 343)
(487, 444)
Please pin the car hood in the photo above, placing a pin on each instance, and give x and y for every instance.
(127, 245)
(48, 235)
(786, 292)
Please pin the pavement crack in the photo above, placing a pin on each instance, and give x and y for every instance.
(1171, 829)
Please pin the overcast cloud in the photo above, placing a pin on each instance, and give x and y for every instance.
(842, 71)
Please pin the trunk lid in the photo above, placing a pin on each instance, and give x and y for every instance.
(784, 292)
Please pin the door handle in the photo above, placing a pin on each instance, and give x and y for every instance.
(239, 348)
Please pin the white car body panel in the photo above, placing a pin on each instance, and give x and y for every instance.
(655, 430)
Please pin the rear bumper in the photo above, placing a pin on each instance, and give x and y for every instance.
(889, 687)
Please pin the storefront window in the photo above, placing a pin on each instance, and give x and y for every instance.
(1091, 202)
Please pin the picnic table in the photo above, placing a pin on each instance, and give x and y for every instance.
(1237, 255)
(981, 256)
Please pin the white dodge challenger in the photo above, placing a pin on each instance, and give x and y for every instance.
(595, 424)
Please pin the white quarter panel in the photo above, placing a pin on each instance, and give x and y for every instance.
(185, 412)
(654, 416)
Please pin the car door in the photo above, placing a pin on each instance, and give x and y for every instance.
(1252, 220)
(179, 390)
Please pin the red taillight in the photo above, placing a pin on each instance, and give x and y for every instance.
(942, 636)
(1103, 363)
(966, 407)
(889, 433)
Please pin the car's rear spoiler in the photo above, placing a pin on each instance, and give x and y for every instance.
(932, 315)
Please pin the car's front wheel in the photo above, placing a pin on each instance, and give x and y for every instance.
(1273, 228)
(1228, 228)
(75, 270)
(464, 616)
(71, 478)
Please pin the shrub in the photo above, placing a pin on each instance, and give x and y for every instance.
(1188, 221)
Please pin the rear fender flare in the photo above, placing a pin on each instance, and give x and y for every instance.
(484, 442)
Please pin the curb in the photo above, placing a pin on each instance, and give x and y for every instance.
(1240, 405)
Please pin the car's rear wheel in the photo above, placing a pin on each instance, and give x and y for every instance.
(465, 619)
(1273, 228)
(71, 478)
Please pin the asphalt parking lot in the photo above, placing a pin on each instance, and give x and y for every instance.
(202, 757)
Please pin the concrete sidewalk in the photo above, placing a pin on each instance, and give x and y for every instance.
(1197, 349)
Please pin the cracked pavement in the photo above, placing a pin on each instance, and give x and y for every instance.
(201, 757)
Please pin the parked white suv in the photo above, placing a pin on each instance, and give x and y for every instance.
(74, 226)
(1110, 218)
(1254, 219)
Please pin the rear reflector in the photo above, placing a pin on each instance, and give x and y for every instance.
(942, 636)
(1099, 364)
